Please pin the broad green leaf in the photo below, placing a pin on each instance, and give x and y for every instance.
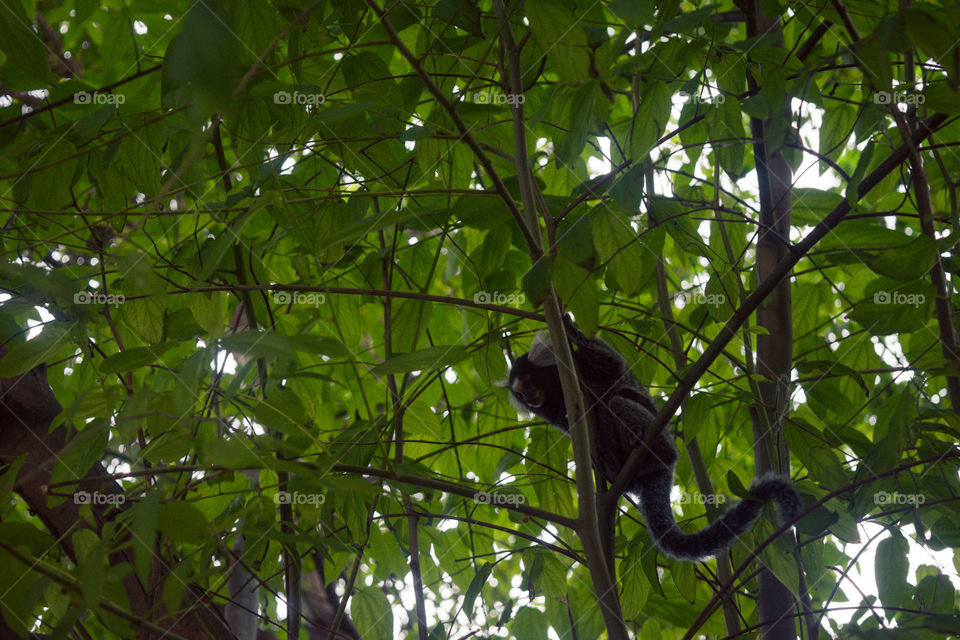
(143, 530)
(182, 522)
(559, 33)
(910, 261)
(633, 581)
(463, 14)
(55, 165)
(283, 412)
(131, 359)
(476, 585)
(369, 78)
(75, 460)
(837, 127)
(372, 614)
(811, 206)
(895, 308)
(546, 572)
(891, 568)
(623, 249)
(437, 357)
(577, 288)
(685, 580)
(21, 44)
(779, 556)
(42, 348)
(536, 281)
(696, 414)
(650, 120)
(529, 624)
(201, 66)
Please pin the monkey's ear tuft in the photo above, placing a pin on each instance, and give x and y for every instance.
(541, 351)
(503, 384)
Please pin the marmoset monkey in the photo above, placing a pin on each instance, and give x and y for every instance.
(622, 410)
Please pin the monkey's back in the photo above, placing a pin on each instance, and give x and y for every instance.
(622, 410)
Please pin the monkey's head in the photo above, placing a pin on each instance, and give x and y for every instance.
(535, 383)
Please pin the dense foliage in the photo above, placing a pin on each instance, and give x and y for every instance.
(274, 256)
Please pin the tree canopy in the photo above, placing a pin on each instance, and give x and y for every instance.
(263, 264)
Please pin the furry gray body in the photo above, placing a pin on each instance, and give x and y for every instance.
(622, 410)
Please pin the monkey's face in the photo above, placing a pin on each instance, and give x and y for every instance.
(524, 389)
(535, 389)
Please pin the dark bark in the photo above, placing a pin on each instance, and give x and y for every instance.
(27, 409)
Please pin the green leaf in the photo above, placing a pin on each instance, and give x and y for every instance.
(282, 411)
(536, 281)
(779, 555)
(21, 43)
(143, 530)
(371, 613)
(476, 585)
(578, 289)
(826, 469)
(635, 588)
(582, 103)
(837, 126)
(650, 120)
(696, 415)
(460, 13)
(811, 206)
(27, 355)
(182, 522)
(910, 261)
(529, 624)
(935, 31)
(7, 480)
(51, 182)
(685, 580)
(80, 454)
(202, 64)
(91, 572)
(628, 255)
(437, 357)
(134, 358)
(895, 308)
(935, 592)
(725, 121)
(369, 78)
(546, 572)
(144, 317)
(559, 33)
(891, 567)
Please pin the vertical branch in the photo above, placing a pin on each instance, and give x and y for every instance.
(921, 191)
(775, 602)
(588, 518)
